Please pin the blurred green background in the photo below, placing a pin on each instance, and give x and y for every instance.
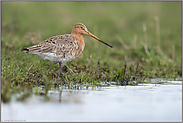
(137, 31)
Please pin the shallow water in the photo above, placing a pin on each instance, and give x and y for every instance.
(145, 102)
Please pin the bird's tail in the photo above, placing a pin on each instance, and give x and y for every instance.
(25, 49)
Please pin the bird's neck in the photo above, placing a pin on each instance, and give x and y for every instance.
(80, 38)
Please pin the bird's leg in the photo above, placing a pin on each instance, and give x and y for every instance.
(59, 73)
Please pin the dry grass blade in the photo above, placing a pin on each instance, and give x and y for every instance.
(29, 69)
(173, 52)
(146, 48)
(122, 42)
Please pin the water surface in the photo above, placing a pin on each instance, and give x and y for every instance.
(145, 102)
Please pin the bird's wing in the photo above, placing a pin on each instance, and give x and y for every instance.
(56, 44)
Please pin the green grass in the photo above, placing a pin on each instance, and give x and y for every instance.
(143, 33)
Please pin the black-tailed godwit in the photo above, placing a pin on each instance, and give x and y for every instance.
(62, 48)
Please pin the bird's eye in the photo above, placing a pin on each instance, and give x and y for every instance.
(81, 27)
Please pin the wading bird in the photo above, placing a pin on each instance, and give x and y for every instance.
(62, 48)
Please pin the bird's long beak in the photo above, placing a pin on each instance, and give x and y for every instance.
(90, 34)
